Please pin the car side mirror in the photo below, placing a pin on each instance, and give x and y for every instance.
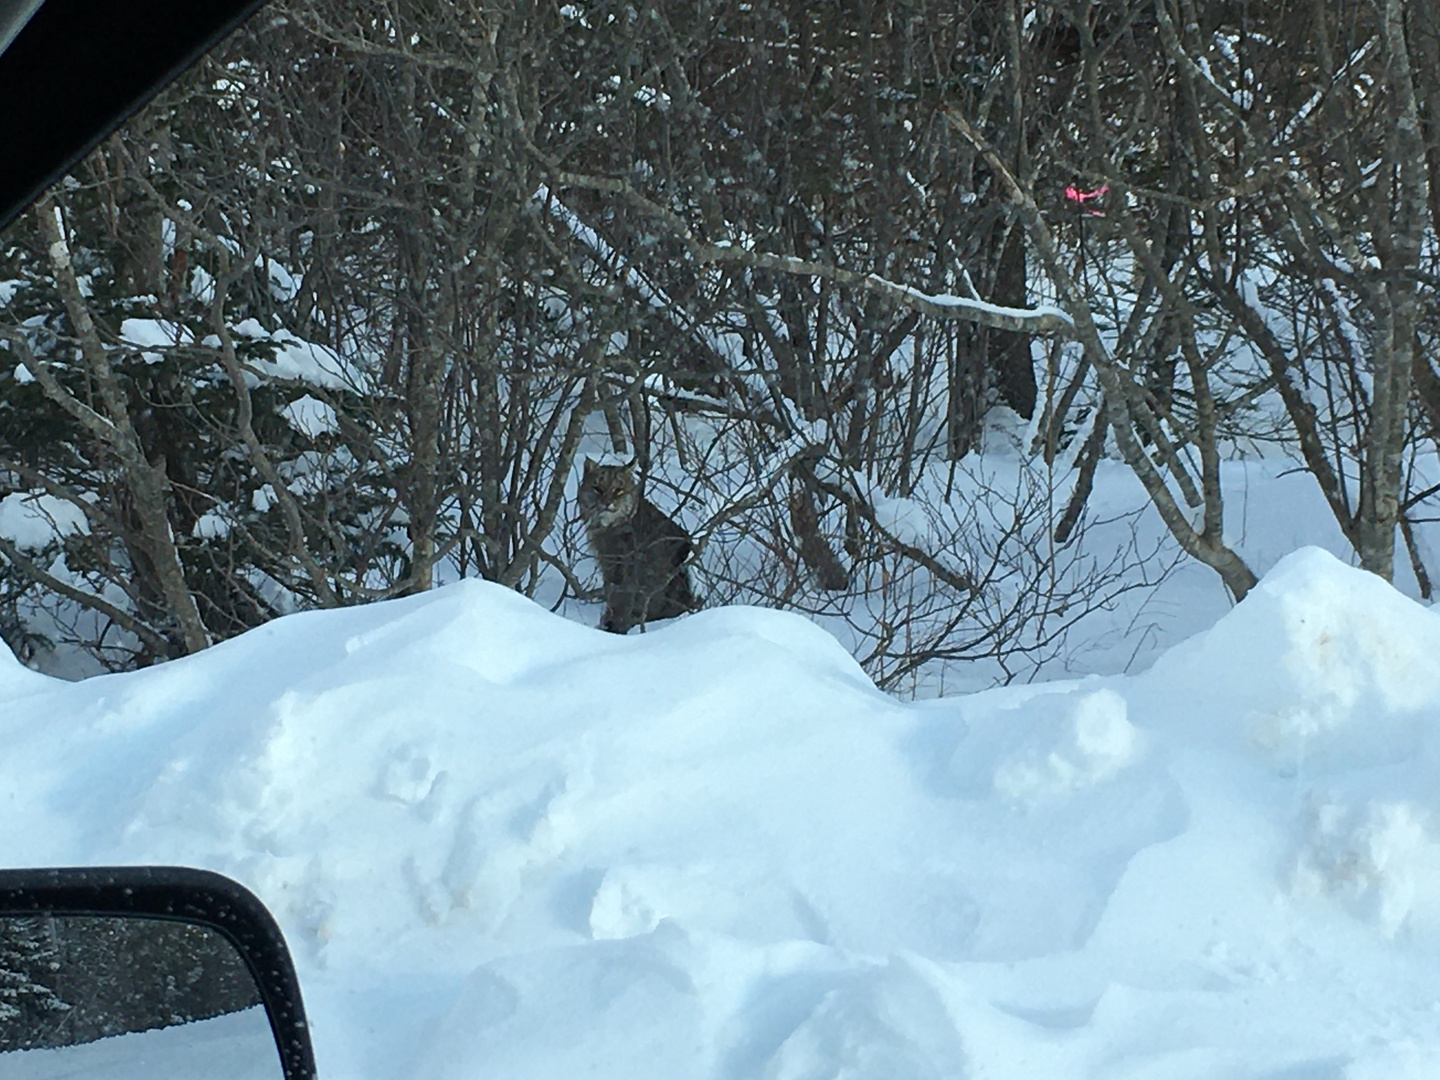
(132, 972)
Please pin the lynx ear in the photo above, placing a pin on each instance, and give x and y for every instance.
(590, 467)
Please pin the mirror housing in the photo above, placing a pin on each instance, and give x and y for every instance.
(75, 69)
(183, 895)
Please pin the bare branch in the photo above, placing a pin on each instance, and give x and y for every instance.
(118, 616)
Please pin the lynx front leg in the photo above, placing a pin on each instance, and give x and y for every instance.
(618, 619)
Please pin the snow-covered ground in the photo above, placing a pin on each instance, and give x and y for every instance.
(503, 844)
(234, 1047)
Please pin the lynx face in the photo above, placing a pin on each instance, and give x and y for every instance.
(607, 495)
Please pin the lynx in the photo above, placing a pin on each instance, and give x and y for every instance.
(641, 551)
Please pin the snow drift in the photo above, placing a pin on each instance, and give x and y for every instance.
(503, 844)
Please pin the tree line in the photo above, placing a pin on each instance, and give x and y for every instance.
(343, 309)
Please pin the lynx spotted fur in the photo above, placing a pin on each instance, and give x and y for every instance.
(641, 551)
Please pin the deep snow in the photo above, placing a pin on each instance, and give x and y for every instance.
(503, 844)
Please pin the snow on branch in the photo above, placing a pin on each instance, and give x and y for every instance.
(1039, 320)
(1042, 319)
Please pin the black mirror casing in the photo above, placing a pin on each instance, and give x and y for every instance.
(79, 68)
(183, 895)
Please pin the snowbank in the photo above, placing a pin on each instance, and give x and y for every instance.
(501, 843)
